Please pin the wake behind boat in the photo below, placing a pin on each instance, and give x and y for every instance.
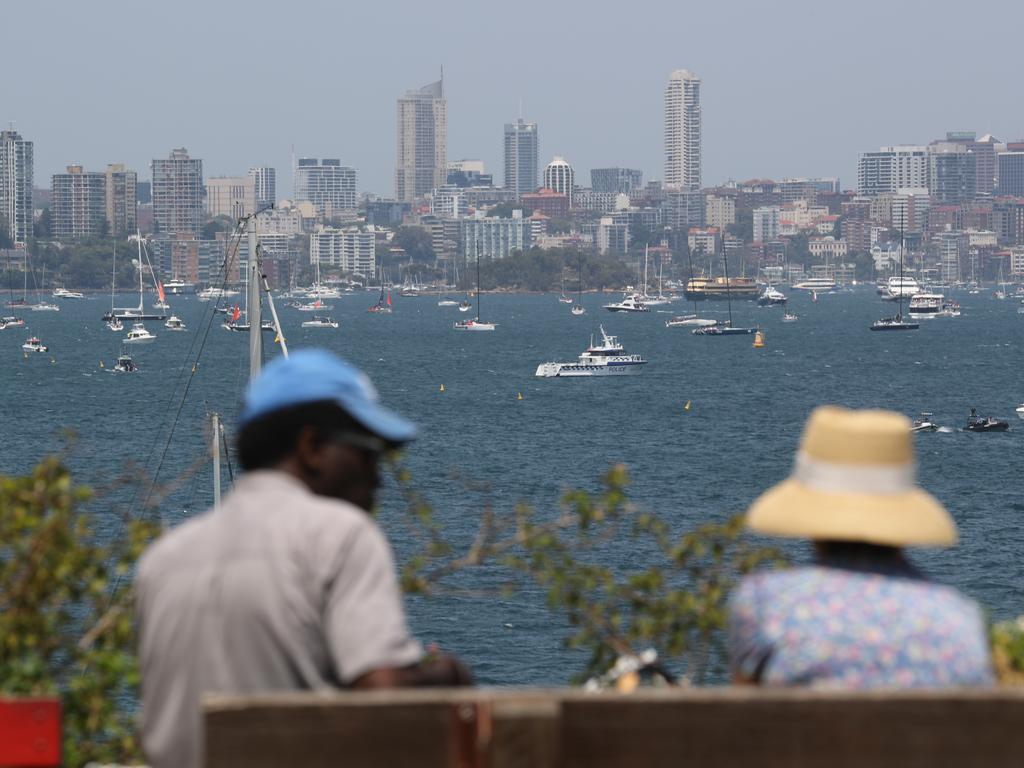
(608, 358)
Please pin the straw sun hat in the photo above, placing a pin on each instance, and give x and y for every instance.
(853, 480)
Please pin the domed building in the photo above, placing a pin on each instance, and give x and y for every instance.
(559, 177)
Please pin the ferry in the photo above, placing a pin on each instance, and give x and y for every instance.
(605, 359)
(925, 304)
(700, 288)
(816, 284)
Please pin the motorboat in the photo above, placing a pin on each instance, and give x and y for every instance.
(723, 329)
(125, 364)
(115, 324)
(901, 287)
(694, 320)
(465, 306)
(787, 316)
(319, 321)
(175, 323)
(44, 306)
(976, 423)
(11, 322)
(771, 297)
(161, 305)
(216, 293)
(139, 335)
(948, 309)
(1020, 411)
(313, 306)
(577, 310)
(607, 358)
(925, 304)
(266, 326)
(632, 302)
(177, 287)
(924, 423)
(894, 323)
(35, 345)
(816, 284)
(447, 303)
(64, 293)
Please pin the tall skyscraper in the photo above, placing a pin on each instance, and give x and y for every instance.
(121, 199)
(1011, 172)
(78, 204)
(560, 177)
(16, 178)
(326, 183)
(265, 179)
(891, 169)
(521, 156)
(682, 131)
(421, 160)
(177, 194)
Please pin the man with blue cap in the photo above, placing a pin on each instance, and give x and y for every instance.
(290, 585)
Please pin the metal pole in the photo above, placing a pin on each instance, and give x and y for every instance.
(255, 315)
(216, 460)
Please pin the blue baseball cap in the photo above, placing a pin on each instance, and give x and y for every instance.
(311, 375)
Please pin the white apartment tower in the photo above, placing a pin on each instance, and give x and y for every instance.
(326, 183)
(265, 179)
(559, 177)
(892, 168)
(16, 178)
(421, 159)
(682, 131)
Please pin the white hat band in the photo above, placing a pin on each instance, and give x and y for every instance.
(830, 477)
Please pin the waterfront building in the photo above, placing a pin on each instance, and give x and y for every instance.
(952, 172)
(719, 210)
(177, 194)
(350, 249)
(682, 209)
(550, 203)
(602, 202)
(1011, 173)
(1016, 262)
(618, 180)
(16, 181)
(682, 131)
(284, 219)
(421, 159)
(231, 196)
(522, 155)
(78, 204)
(766, 223)
(892, 168)
(1008, 220)
(495, 238)
(827, 248)
(559, 177)
(265, 182)
(327, 184)
(121, 199)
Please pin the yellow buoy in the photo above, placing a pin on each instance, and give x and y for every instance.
(519, 396)
(687, 406)
(758, 340)
(441, 389)
(101, 363)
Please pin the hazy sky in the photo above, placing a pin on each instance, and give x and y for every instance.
(789, 88)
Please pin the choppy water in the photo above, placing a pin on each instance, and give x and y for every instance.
(748, 407)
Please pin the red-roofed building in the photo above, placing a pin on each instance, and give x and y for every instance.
(550, 203)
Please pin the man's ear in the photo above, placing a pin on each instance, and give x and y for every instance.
(309, 451)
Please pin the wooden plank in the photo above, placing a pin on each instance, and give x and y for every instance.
(30, 732)
(795, 730)
(524, 732)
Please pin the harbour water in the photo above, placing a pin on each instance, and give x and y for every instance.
(689, 466)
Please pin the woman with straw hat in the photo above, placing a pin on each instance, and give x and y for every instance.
(862, 616)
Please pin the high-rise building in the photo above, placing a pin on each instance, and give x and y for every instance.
(618, 180)
(1011, 173)
(265, 180)
(421, 159)
(177, 194)
(682, 131)
(326, 183)
(522, 149)
(559, 177)
(766, 223)
(892, 168)
(351, 249)
(16, 179)
(78, 203)
(494, 238)
(121, 199)
(952, 172)
(231, 196)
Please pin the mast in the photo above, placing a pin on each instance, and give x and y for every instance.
(113, 278)
(215, 418)
(645, 270)
(899, 295)
(138, 242)
(728, 293)
(478, 286)
(252, 296)
(689, 258)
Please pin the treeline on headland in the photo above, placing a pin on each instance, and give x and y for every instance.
(543, 270)
(80, 264)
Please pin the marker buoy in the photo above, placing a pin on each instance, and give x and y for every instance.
(441, 389)
(101, 363)
(519, 396)
(687, 406)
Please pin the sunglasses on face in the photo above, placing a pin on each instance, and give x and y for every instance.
(367, 444)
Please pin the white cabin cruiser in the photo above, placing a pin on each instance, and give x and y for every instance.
(319, 321)
(816, 284)
(605, 359)
(139, 335)
(64, 293)
(175, 323)
(632, 302)
(35, 345)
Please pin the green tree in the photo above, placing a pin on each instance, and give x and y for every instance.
(504, 210)
(743, 227)
(216, 225)
(416, 242)
(65, 612)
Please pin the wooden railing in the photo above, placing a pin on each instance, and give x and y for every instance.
(717, 727)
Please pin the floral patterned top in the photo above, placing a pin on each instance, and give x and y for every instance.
(844, 625)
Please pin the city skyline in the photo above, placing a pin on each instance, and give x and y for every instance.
(770, 110)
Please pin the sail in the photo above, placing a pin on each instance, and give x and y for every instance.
(389, 298)
(236, 314)
(160, 290)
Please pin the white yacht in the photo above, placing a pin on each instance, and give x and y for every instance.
(925, 304)
(319, 321)
(1020, 411)
(125, 364)
(816, 284)
(35, 345)
(139, 335)
(474, 325)
(771, 296)
(605, 359)
(64, 293)
(44, 306)
(678, 320)
(11, 322)
(901, 288)
(632, 302)
(447, 303)
(178, 287)
(115, 324)
(175, 323)
(216, 293)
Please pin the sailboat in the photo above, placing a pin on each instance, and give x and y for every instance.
(316, 305)
(233, 323)
(44, 306)
(477, 324)
(114, 323)
(727, 328)
(577, 308)
(1001, 293)
(139, 312)
(446, 301)
(896, 322)
(695, 318)
(652, 301)
(383, 305)
(562, 298)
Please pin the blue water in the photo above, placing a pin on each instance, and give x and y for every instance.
(481, 445)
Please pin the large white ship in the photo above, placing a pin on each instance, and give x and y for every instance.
(816, 284)
(901, 288)
(605, 359)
